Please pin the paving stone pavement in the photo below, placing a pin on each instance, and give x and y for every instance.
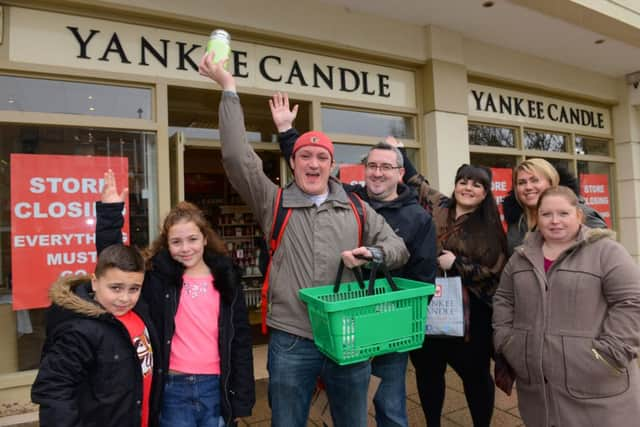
(455, 412)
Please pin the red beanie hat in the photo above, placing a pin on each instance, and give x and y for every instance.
(315, 138)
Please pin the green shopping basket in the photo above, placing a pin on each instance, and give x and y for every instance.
(351, 323)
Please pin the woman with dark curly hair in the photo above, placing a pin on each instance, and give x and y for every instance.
(472, 245)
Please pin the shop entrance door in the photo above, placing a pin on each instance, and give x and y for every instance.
(197, 176)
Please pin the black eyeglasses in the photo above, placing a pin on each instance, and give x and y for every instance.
(385, 167)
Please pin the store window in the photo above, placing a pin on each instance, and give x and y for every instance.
(545, 141)
(363, 123)
(22, 339)
(595, 180)
(56, 96)
(491, 136)
(592, 146)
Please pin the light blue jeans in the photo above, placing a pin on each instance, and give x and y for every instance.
(191, 401)
(294, 365)
(390, 400)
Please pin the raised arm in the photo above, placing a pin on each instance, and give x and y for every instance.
(242, 165)
(109, 220)
(283, 118)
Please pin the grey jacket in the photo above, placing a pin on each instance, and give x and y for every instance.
(309, 253)
(572, 334)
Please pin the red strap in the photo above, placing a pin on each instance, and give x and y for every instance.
(273, 245)
(263, 299)
(357, 215)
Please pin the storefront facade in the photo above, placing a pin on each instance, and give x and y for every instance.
(83, 88)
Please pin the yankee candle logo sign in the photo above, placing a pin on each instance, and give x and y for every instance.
(53, 220)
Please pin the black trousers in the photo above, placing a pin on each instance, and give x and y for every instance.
(470, 360)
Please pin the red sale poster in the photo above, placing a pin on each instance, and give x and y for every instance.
(352, 174)
(53, 219)
(595, 190)
(500, 186)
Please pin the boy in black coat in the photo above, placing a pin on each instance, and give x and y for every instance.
(97, 361)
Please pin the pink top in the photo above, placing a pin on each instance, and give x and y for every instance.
(547, 264)
(194, 348)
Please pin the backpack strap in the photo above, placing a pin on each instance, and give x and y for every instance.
(360, 212)
(280, 219)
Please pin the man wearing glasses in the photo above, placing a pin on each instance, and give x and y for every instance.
(398, 204)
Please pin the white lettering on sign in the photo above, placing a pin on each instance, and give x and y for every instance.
(25, 210)
(588, 188)
(70, 258)
(39, 185)
(499, 186)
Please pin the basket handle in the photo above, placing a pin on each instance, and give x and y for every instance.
(356, 271)
(372, 277)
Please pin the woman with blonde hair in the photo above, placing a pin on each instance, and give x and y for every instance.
(530, 178)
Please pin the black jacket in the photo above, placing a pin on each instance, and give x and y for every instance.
(90, 373)
(161, 290)
(403, 214)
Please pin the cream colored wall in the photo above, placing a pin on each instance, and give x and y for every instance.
(626, 118)
(506, 65)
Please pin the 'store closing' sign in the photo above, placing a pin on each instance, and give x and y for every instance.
(53, 219)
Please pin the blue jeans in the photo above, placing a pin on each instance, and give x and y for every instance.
(294, 365)
(390, 400)
(191, 401)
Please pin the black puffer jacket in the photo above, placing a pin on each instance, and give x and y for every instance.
(405, 216)
(161, 290)
(90, 373)
(411, 222)
(517, 223)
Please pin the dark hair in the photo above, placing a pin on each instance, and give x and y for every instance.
(125, 258)
(478, 174)
(388, 147)
(485, 217)
(186, 212)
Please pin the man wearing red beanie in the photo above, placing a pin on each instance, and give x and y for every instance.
(312, 161)
(322, 228)
(398, 204)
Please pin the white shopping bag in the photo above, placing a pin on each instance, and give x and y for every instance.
(445, 316)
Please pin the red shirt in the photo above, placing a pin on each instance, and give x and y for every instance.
(141, 342)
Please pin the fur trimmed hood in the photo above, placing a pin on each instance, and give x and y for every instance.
(74, 294)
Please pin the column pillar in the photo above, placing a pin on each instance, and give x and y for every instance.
(444, 100)
(626, 118)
